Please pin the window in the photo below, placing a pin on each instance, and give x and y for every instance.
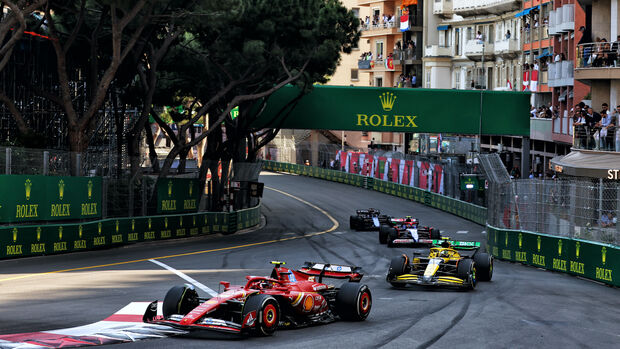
(379, 82)
(470, 33)
(428, 78)
(356, 12)
(457, 78)
(355, 75)
(457, 41)
(378, 49)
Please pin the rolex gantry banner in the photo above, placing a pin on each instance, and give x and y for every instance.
(401, 110)
(32, 198)
(177, 195)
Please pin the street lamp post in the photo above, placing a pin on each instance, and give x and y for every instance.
(482, 87)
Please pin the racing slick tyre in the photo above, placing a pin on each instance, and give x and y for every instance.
(180, 299)
(263, 313)
(484, 266)
(398, 266)
(354, 223)
(384, 231)
(353, 301)
(466, 271)
(435, 234)
(392, 235)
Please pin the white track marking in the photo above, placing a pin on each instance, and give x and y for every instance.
(462, 232)
(185, 277)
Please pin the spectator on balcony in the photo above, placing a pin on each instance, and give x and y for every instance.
(479, 38)
(507, 34)
(607, 128)
(367, 21)
(557, 58)
(615, 119)
(613, 55)
(526, 28)
(586, 50)
(579, 122)
(532, 110)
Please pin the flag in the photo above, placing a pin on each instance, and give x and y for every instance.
(526, 80)
(401, 172)
(423, 171)
(534, 81)
(362, 163)
(438, 179)
(389, 63)
(404, 22)
(343, 159)
(347, 161)
(439, 147)
(386, 169)
(395, 166)
(509, 84)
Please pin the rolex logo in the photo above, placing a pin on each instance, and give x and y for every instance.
(28, 185)
(538, 243)
(14, 234)
(520, 240)
(577, 247)
(90, 189)
(169, 188)
(80, 231)
(604, 254)
(559, 247)
(38, 233)
(387, 100)
(60, 232)
(61, 189)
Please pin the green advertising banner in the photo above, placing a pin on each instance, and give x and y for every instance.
(588, 259)
(22, 241)
(177, 195)
(34, 198)
(401, 110)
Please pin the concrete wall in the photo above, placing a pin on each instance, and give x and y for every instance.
(601, 19)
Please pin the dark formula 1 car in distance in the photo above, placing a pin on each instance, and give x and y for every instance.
(286, 299)
(444, 266)
(407, 231)
(370, 219)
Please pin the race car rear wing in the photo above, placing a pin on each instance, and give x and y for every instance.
(458, 245)
(332, 271)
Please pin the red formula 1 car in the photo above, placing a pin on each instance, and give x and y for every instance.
(286, 299)
(407, 231)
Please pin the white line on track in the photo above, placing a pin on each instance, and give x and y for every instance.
(462, 232)
(185, 277)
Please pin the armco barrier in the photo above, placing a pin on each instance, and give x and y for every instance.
(596, 261)
(22, 241)
(459, 208)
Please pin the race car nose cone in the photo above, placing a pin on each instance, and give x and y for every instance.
(427, 278)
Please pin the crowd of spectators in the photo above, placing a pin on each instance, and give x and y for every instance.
(596, 130)
(378, 21)
(406, 80)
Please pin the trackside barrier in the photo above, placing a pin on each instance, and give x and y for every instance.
(592, 260)
(34, 240)
(459, 208)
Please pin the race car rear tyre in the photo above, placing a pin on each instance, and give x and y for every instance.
(392, 235)
(466, 271)
(398, 266)
(484, 266)
(353, 301)
(263, 313)
(384, 230)
(180, 299)
(435, 234)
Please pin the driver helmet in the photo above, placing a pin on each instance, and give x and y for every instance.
(445, 244)
(444, 253)
(408, 219)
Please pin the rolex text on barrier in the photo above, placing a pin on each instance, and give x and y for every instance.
(25, 198)
(596, 261)
(177, 195)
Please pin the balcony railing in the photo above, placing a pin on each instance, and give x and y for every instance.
(508, 49)
(598, 55)
(568, 18)
(443, 8)
(476, 49)
(541, 129)
(596, 138)
(381, 25)
(561, 74)
(404, 55)
(437, 51)
(482, 7)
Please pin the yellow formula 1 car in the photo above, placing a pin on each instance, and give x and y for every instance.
(444, 266)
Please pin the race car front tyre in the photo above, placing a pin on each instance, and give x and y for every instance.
(353, 301)
(466, 271)
(392, 235)
(180, 299)
(261, 313)
(435, 234)
(398, 266)
(384, 230)
(484, 266)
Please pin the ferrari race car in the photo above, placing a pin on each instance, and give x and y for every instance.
(370, 219)
(286, 299)
(444, 266)
(406, 231)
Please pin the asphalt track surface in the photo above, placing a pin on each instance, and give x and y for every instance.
(522, 307)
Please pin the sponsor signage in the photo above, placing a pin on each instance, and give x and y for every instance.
(177, 195)
(400, 110)
(46, 198)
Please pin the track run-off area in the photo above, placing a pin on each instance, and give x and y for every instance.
(307, 219)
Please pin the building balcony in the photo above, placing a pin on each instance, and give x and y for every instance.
(562, 20)
(364, 64)
(598, 61)
(467, 8)
(443, 8)
(541, 129)
(476, 50)
(388, 28)
(508, 49)
(561, 74)
(407, 56)
(437, 51)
